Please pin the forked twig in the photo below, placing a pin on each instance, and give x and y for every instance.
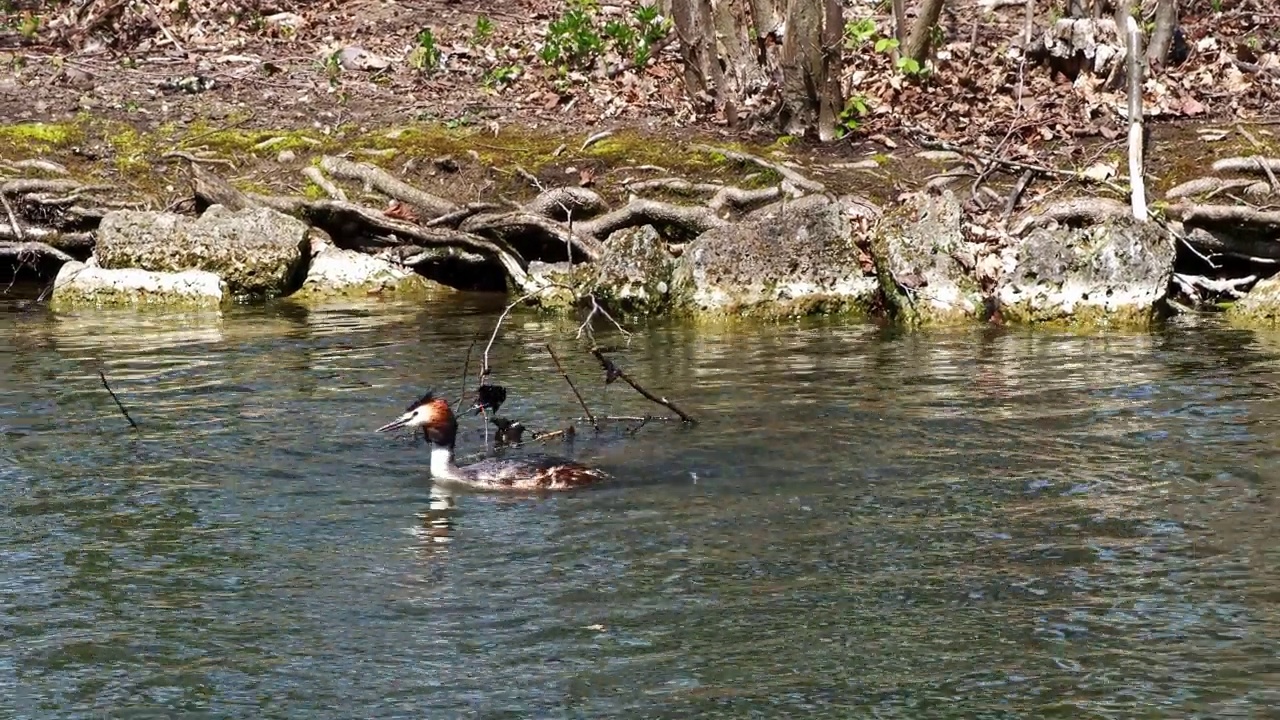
(484, 360)
(613, 372)
(574, 388)
(113, 397)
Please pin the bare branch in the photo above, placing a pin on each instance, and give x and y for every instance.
(574, 388)
(613, 372)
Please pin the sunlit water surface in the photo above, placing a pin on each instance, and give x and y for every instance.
(983, 523)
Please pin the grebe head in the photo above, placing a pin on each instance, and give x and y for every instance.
(430, 413)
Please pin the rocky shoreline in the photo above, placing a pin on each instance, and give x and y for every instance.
(784, 240)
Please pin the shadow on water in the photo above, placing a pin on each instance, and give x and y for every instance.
(980, 523)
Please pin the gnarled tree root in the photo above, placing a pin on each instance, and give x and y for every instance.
(1077, 211)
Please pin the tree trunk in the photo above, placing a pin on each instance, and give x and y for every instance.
(780, 57)
(922, 31)
(1162, 35)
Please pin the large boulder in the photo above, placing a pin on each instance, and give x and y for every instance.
(926, 262)
(793, 258)
(344, 274)
(1113, 272)
(257, 251)
(88, 285)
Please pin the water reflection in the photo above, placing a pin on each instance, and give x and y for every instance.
(979, 523)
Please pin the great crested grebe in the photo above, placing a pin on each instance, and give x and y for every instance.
(528, 472)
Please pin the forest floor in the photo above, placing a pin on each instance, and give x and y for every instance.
(333, 67)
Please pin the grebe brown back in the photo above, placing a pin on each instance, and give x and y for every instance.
(528, 472)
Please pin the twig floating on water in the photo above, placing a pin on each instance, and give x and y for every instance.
(113, 397)
(574, 388)
(613, 372)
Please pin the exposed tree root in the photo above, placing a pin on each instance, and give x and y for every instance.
(794, 178)
(1077, 211)
(387, 184)
(312, 173)
(1227, 217)
(510, 226)
(695, 220)
(1254, 165)
(1209, 186)
(722, 195)
(1209, 242)
(1192, 284)
(31, 250)
(346, 219)
(563, 203)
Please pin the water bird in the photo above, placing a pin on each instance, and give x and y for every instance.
(510, 432)
(527, 472)
(490, 398)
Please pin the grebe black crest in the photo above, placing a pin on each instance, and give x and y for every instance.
(527, 472)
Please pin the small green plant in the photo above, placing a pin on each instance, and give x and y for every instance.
(333, 67)
(886, 44)
(30, 26)
(858, 32)
(624, 37)
(483, 30)
(572, 39)
(909, 66)
(500, 77)
(854, 108)
(651, 27)
(426, 56)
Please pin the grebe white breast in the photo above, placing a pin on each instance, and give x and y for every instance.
(527, 472)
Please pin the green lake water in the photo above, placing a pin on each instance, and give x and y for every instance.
(983, 523)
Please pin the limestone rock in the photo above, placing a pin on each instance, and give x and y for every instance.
(336, 273)
(925, 251)
(1260, 307)
(87, 285)
(256, 251)
(796, 258)
(632, 277)
(1117, 271)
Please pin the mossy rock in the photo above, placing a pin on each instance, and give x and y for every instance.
(86, 285)
(1260, 308)
(1110, 274)
(916, 247)
(258, 252)
(346, 274)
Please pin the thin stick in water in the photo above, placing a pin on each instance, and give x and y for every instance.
(574, 388)
(466, 367)
(113, 397)
(613, 372)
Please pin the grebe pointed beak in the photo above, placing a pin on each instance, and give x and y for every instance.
(397, 423)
